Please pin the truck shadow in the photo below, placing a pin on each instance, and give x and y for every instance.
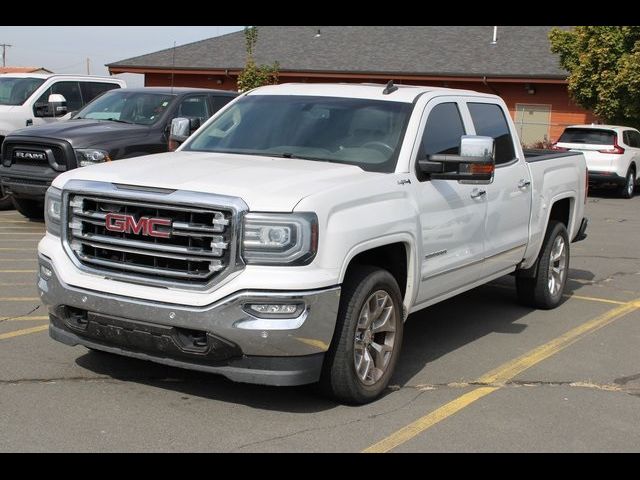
(429, 335)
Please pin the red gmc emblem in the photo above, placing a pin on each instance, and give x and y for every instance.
(117, 222)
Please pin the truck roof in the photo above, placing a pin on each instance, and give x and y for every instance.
(373, 91)
(180, 90)
(45, 76)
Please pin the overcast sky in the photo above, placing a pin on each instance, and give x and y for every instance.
(66, 49)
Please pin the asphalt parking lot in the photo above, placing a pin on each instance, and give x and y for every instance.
(477, 372)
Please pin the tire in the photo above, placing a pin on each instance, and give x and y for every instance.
(32, 209)
(5, 200)
(627, 190)
(363, 291)
(545, 289)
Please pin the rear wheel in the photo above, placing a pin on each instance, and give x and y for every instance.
(545, 289)
(33, 209)
(367, 339)
(627, 190)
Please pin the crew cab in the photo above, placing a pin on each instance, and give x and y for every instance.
(122, 123)
(612, 154)
(288, 239)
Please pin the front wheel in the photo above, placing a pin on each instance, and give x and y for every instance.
(367, 339)
(5, 200)
(545, 289)
(32, 209)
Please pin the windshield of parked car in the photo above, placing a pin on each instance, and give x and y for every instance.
(593, 136)
(141, 108)
(361, 132)
(16, 90)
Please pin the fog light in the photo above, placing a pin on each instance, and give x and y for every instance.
(274, 310)
(45, 272)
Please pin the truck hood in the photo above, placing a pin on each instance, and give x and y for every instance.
(264, 183)
(84, 133)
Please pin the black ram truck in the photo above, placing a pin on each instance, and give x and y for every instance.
(122, 123)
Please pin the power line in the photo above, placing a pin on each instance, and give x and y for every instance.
(4, 49)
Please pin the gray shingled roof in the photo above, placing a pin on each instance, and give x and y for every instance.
(521, 51)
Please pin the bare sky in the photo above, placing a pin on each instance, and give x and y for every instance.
(66, 49)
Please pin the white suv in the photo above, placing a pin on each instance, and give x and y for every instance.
(25, 100)
(612, 153)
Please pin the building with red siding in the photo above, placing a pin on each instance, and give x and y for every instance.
(514, 62)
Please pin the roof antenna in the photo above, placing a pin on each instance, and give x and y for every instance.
(390, 88)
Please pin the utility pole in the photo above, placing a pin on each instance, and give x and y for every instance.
(4, 48)
(88, 69)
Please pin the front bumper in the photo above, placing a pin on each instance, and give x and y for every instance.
(231, 341)
(24, 183)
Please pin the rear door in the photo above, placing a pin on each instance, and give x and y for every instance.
(509, 195)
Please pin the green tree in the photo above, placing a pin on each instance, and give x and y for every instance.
(253, 76)
(604, 69)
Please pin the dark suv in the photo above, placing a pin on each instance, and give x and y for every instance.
(119, 124)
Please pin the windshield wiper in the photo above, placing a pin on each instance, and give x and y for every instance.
(117, 120)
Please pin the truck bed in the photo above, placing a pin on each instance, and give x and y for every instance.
(540, 154)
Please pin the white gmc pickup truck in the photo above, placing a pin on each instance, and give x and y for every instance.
(289, 238)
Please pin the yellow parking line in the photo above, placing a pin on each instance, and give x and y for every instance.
(18, 299)
(501, 375)
(32, 259)
(18, 271)
(22, 233)
(24, 319)
(32, 284)
(15, 249)
(14, 221)
(595, 299)
(577, 297)
(25, 331)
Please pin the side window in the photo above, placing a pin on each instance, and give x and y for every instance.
(91, 90)
(489, 121)
(219, 102)
(70, 91)
(635, 139)
(442, 131)
(195, 106)
(626, 138)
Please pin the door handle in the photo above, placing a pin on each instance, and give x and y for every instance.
(478, 193)
(523, 183)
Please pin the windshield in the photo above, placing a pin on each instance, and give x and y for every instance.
(361, 132)
(15, 91)
(594, 136)
(141, 108)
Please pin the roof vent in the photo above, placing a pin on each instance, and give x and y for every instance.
(390, 88)
(495, 36)
(318, 34)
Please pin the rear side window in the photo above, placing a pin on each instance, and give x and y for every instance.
(91, 90)
(592, 136)
(219, 102)
(442, 132)
(489, 121)
(633, 139)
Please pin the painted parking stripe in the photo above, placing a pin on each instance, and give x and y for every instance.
(19, 299)
(15, 249)
(497, 377)
(24, 331)
(18, 271)
(35, 318)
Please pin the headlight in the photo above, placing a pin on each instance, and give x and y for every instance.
(53, 210)
(280, 239)
(91, 156)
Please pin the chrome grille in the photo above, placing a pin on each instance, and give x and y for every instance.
(197, 250)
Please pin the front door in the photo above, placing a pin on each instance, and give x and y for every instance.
(452, 215)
